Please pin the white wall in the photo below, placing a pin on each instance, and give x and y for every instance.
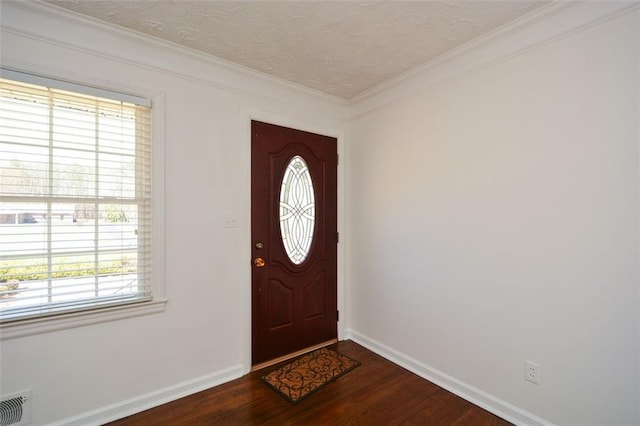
(494, 219)
(103, 370)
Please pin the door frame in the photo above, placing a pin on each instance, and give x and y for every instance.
(247, 115)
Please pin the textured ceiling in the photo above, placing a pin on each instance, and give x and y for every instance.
(339, 47)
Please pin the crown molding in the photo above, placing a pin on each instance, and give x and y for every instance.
(555, 21)
(552, 22)
(34, 19)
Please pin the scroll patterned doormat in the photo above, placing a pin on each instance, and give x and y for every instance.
(305, 375)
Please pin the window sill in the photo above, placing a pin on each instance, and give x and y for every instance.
(77, 319)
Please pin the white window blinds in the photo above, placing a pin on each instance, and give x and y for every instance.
(75, 201)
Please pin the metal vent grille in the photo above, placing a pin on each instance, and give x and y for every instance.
(14, 409)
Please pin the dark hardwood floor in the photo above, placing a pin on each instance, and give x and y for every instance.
(376, 393)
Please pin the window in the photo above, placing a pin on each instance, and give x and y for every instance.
(297, 210)
(75, 199)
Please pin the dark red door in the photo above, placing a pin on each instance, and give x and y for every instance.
(294, 240)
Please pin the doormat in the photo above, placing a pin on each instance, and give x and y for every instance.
(305, 375)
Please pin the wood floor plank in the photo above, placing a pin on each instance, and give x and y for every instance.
(378, 392)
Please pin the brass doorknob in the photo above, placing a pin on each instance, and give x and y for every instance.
(259, 262)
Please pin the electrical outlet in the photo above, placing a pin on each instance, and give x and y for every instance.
(532, 372)
(230, 222)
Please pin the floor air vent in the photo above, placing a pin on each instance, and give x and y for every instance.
(15, 410)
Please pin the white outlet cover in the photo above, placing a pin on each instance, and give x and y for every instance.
(532, 372)
(230, 222)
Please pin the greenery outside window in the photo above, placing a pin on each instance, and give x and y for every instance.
(75, 200)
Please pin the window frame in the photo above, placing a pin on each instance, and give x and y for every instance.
(91, 315)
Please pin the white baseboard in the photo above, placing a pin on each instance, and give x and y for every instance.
(140, 403)
(476, 396)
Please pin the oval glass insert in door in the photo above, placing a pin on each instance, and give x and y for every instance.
(297, 210)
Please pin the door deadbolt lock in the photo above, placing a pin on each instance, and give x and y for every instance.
(259, 262)
(259, 245)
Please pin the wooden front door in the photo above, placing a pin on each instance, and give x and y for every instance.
(294, 240)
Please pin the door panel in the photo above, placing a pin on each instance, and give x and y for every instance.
(294, 296)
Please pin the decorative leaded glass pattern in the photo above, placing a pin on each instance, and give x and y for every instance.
(297, 210)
